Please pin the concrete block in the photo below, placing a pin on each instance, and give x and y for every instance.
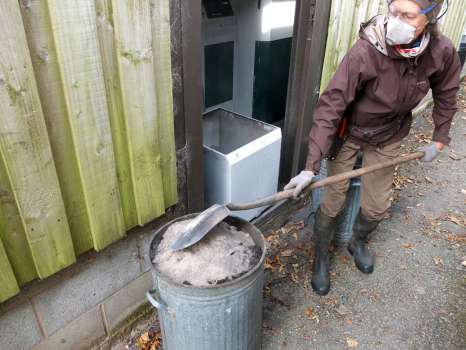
(83, 332)
(100, 277)
(127, 300)
(19, 328)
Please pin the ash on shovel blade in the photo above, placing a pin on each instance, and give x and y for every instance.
(225, 254)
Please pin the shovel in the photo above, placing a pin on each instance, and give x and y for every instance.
(209, 218)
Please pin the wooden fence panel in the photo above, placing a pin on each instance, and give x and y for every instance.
(162, 63)
(87, 147)
(454, 22)
(347, 15)
(106, 34)
(345, 18)
(12, 233)
(134, 56)
(7, 277)
(46, 68)
(25, 154)
(74, 30)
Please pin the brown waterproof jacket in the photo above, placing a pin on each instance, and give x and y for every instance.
(377, 93)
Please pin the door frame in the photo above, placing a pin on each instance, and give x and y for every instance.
(307, 58)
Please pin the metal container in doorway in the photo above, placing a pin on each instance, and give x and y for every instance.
(227, 316)
(241, 159)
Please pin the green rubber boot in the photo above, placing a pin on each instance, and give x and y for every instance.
(358, 244)
(324, 228)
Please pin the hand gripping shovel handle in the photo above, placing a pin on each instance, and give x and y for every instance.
(324, 182)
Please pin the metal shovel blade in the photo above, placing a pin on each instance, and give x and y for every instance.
(200, 226)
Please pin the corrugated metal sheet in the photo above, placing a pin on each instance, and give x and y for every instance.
(347, 15)
(86, 129)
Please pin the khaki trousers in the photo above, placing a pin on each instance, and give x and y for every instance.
(375, 187)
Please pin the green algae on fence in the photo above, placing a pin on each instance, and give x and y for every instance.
(12, 233)
(7, 277)
(161, 46)
(105, 28)
(26, 158)
(80, 67)
(143, 140)
(46, 68)
(134, 57)
(87, 148)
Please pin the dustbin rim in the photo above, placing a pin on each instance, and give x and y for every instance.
(256, 235)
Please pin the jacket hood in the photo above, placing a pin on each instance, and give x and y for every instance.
(374, 31)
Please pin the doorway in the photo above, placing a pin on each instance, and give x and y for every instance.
(246, 55)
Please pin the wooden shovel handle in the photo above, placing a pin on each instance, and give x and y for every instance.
(324, 182)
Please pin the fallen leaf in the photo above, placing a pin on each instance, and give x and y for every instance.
(428, 179)
(294, 278)
(309, 312)
(142, 341)
(454, 219)
(342, 310)
(268, 264)
(352, 343)
(437, 260)
(287, 252)
(454, 156)
(408, 245)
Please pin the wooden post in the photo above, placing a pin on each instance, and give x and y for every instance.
(192, 86)
(302, 33)
(313, 77)
(310, 36)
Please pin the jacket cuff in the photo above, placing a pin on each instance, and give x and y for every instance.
(438, 137)
(313, 166)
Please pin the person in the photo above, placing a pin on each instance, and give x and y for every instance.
(397, 58)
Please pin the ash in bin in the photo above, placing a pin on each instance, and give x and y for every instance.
(224, 254)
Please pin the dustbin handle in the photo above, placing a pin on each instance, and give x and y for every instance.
(158, 304)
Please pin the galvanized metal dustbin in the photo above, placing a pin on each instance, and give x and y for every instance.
(227, 316)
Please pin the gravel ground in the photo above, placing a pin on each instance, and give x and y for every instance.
(416, 297)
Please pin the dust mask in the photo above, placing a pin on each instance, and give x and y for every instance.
(399, 32)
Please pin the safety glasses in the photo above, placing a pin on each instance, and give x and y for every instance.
(406, 15)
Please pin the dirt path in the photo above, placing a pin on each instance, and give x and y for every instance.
(416, 298)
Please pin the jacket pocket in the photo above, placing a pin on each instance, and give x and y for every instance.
(378, 134)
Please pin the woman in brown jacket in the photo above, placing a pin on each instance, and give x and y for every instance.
(397, 59)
